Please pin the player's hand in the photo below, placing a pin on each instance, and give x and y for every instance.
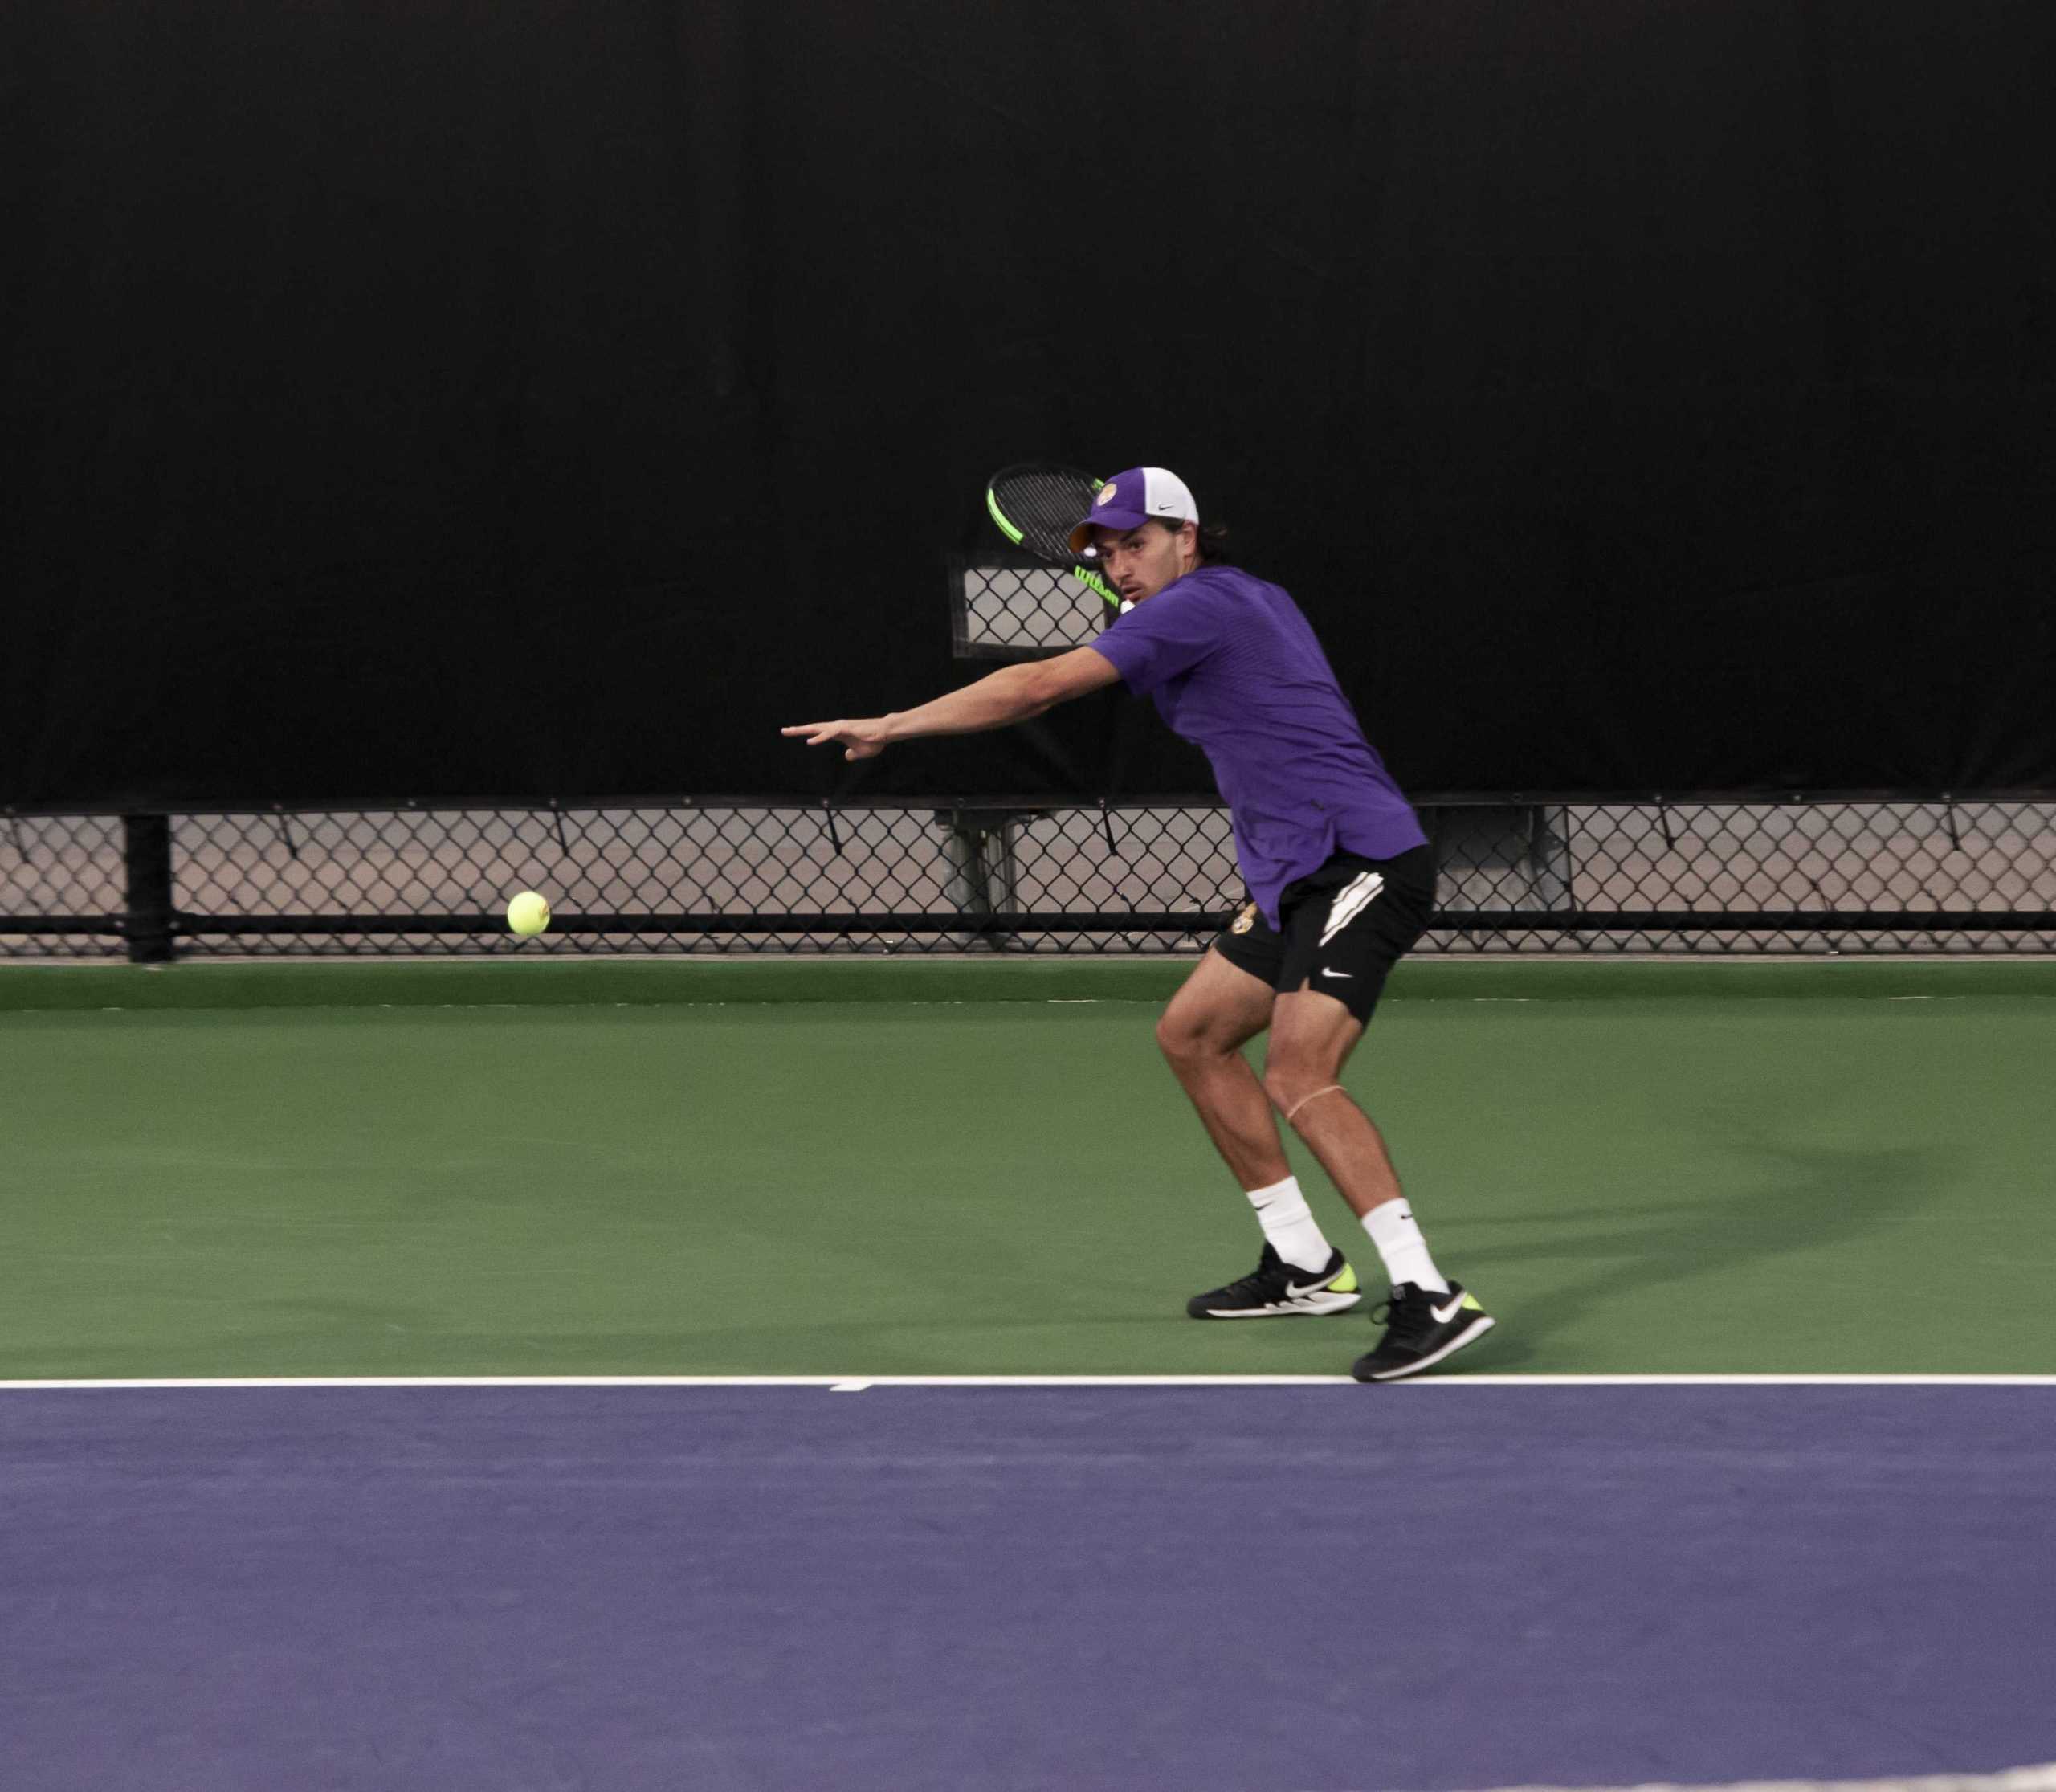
(863, 740)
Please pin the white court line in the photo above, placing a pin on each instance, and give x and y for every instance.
(2012, 1779)
(853, 1384)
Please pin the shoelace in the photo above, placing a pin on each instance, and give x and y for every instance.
(1264, 1282)
(1267, 1279)
(1405, 1319)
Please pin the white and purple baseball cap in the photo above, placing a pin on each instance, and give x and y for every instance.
(1130, 498)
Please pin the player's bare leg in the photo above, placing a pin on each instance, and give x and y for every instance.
(1312, 1037)
(1219, 1009)
(1429, 1316)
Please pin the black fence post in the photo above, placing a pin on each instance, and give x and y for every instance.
(146, 855)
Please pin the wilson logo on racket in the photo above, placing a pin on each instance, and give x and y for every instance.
(1037, 506)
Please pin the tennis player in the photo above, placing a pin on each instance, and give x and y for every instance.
(1340, 882)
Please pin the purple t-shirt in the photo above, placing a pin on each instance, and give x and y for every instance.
(1235, 669)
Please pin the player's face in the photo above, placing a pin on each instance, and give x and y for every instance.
(1140, 561)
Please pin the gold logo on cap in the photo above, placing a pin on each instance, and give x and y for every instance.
(1106, 495)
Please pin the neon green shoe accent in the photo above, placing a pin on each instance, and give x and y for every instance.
(1471, 1304)
(1347, 1282)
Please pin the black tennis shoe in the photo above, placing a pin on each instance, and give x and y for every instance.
(1276, 1289)
(1422, 1328)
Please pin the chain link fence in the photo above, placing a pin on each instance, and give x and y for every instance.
(1871, 875)
(1529, 874)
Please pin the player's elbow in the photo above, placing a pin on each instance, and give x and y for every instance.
(1055, 681)
(1039, 691)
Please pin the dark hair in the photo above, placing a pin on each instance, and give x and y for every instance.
(1213, 546)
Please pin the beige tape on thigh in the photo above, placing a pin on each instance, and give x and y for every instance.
(1304, 1098)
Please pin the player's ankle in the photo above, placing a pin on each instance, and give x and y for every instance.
(1394, 1230)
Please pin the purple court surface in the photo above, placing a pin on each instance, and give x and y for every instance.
(523, 1588)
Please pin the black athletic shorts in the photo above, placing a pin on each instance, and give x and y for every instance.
(1345, 926)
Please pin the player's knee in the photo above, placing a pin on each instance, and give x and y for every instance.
(1285, 1081)
(1187, 1039)
(1291, 1077)
(1179, 1039)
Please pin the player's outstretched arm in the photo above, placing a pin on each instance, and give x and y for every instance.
(1012, 694)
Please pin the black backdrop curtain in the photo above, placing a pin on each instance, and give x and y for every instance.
(412, 399)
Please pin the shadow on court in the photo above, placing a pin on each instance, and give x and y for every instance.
(1799, 1198)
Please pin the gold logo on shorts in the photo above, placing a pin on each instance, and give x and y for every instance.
(1243, 922)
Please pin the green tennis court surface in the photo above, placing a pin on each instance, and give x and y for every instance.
(1823, 1183)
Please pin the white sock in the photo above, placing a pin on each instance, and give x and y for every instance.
(1283, 1213)
(1395, 1232)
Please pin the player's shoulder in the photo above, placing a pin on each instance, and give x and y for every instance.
(1219, 584)
(1206, 597)
(1235, 595)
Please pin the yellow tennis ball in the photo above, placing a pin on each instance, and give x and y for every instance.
(527, 913)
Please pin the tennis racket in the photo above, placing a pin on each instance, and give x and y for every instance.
(1037, 505)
